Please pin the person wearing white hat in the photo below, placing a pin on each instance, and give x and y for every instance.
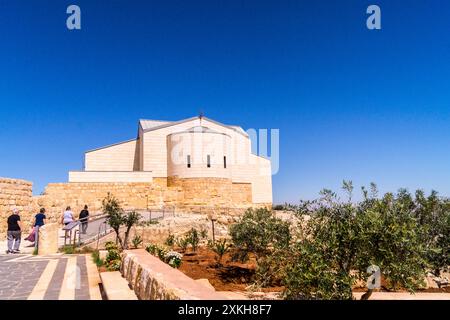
(14, 232)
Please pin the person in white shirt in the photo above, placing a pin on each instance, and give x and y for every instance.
(67, 217)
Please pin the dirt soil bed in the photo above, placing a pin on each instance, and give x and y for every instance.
(230, 276)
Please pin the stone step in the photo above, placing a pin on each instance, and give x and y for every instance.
(116, 287)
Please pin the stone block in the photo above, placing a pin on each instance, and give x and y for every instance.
(48, 239)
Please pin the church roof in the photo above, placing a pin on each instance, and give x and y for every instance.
(200, 129)
(150, 125)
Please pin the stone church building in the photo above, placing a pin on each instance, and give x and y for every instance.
(195, 162)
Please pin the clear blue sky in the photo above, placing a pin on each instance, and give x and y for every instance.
(350, 103)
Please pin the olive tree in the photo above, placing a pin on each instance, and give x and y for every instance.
(258, 232)
(334, 247)
(118, 218)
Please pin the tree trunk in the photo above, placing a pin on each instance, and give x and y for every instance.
(367, 295)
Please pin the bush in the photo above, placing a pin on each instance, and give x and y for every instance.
(278, 207)
(258, 232)
(170, 240)
(183, 243)
(341, 239)
(137, 241)
(68, 249)
(96, 257)
(193, 239)
(173, 258)
(203, 233)
(220, 247)
(170, 257)
(110, 245)
(113, 259)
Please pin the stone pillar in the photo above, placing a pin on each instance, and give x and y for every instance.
(48, 239)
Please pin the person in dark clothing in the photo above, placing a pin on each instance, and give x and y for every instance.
(39, 221)
(84, 219)
(14, 232)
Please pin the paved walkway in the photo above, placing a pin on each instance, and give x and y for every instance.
(53, 277)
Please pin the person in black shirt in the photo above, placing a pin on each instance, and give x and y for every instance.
(84, 219)
(14, 232)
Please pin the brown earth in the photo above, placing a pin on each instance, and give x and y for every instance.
(227, 276)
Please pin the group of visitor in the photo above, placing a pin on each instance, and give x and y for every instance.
(15, 227)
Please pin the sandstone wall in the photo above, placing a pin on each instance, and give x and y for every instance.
(191, 194)
(133, 196)
(17, 194)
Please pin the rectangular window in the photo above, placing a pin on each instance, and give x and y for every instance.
(225, 162)
(208, 160)
(188, 161)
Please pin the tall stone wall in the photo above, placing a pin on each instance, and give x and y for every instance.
(132, 196)
(183, 194)
(15, 193)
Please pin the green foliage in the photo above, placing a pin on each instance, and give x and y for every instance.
(114, 265)
(193, 239)
(433, 215)
(170, 240)
(117, 218)
(68, 249)
(220, 247)
(203, 233)
(259, 232)
(170, 257)
(183, 243)
(110, 245)
(306, 274)
(148, 223)
(137, 241)
(173, 259)
(96, 258)
(340, 239)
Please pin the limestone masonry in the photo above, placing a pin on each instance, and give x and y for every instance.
(14, 194)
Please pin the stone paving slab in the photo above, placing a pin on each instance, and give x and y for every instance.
(65, 277)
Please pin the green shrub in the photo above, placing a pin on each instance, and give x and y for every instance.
(193, 238)
(170, 240)
(341, 239)
(183, 243)
(110, 245)
(96, 257)
(220, 247)
(258, 232)
(113, 254)
(170, 257)
(137, 241)
(69, 249)
(173, 259)
(114, 265)
(203, 233)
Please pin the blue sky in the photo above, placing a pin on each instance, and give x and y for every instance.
(350, 103)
